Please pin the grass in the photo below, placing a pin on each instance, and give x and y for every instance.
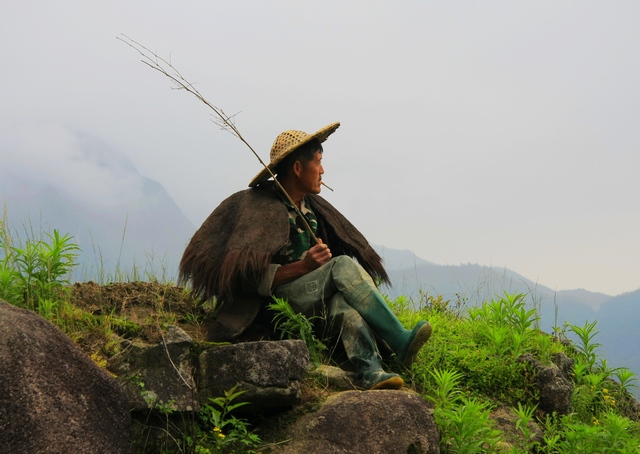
(468, 368)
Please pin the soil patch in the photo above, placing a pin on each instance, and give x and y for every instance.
(143, 308)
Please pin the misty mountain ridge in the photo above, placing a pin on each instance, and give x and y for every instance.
(121, 220)
(412, 275)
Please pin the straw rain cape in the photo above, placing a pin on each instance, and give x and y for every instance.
(229, 254)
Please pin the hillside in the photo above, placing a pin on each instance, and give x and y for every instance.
(481, 387)
(617, 316)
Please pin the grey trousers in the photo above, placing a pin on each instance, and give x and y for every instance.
(325, 293)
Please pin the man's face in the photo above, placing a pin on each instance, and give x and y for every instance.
(310, 175)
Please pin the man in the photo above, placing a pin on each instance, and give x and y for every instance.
(285, 240)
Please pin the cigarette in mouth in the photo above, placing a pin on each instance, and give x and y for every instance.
(323, 183)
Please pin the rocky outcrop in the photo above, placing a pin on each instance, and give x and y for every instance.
(180, 375)
(53, 398)
(270, 374)
(382, 421)
(168, 382)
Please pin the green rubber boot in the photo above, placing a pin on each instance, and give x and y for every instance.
(374, 310)
(377, 378)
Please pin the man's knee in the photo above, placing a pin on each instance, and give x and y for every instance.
(344, 263)
(347, 273)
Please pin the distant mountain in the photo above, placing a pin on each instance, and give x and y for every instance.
(121, 220)
(618, 322)
(475, 284)
(400, 259)
(581, 296)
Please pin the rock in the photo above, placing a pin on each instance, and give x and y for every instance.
(53, 398)
(158, 375)
(506, 421)
(270, 372)
(554, 386)
(565, 364)
(333, 377)
(368, 422)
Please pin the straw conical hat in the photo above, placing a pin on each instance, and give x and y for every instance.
(286, 143)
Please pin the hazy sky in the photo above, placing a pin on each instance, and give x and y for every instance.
(500, 133)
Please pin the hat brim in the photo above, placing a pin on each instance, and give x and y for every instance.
(321, 135)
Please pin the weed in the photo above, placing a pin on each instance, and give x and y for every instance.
(296, 326)
(466, 427)
(48, 308)
(586, 345)
(506, 324)
(37, 270)
(626, 378)
(446, 391)
(222, 431)
(609, 433)
(525, 416)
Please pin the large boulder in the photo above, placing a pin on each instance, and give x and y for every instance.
(53, 398)
(367, 422)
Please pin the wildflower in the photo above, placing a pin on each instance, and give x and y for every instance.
(596, 422)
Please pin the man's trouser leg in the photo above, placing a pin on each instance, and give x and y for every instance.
(361, 293)
(359, 345)
(315, 294)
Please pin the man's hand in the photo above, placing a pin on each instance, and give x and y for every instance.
(315, 257)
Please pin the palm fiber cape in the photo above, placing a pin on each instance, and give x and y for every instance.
(231, 251)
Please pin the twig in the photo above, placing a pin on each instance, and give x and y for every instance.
(221, 119)
(166, 349)
(272, 445)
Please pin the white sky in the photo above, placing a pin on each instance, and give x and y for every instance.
(499, 133)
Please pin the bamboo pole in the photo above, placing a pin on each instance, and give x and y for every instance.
(221, 119)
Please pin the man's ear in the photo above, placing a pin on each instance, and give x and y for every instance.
(297, 168)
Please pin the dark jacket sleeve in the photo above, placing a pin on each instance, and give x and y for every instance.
(233, 248)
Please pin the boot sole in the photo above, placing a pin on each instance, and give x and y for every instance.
(390, 383)
(421, 338)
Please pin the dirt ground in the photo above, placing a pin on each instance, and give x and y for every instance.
(144, 307)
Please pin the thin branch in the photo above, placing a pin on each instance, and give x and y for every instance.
(220, 118)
